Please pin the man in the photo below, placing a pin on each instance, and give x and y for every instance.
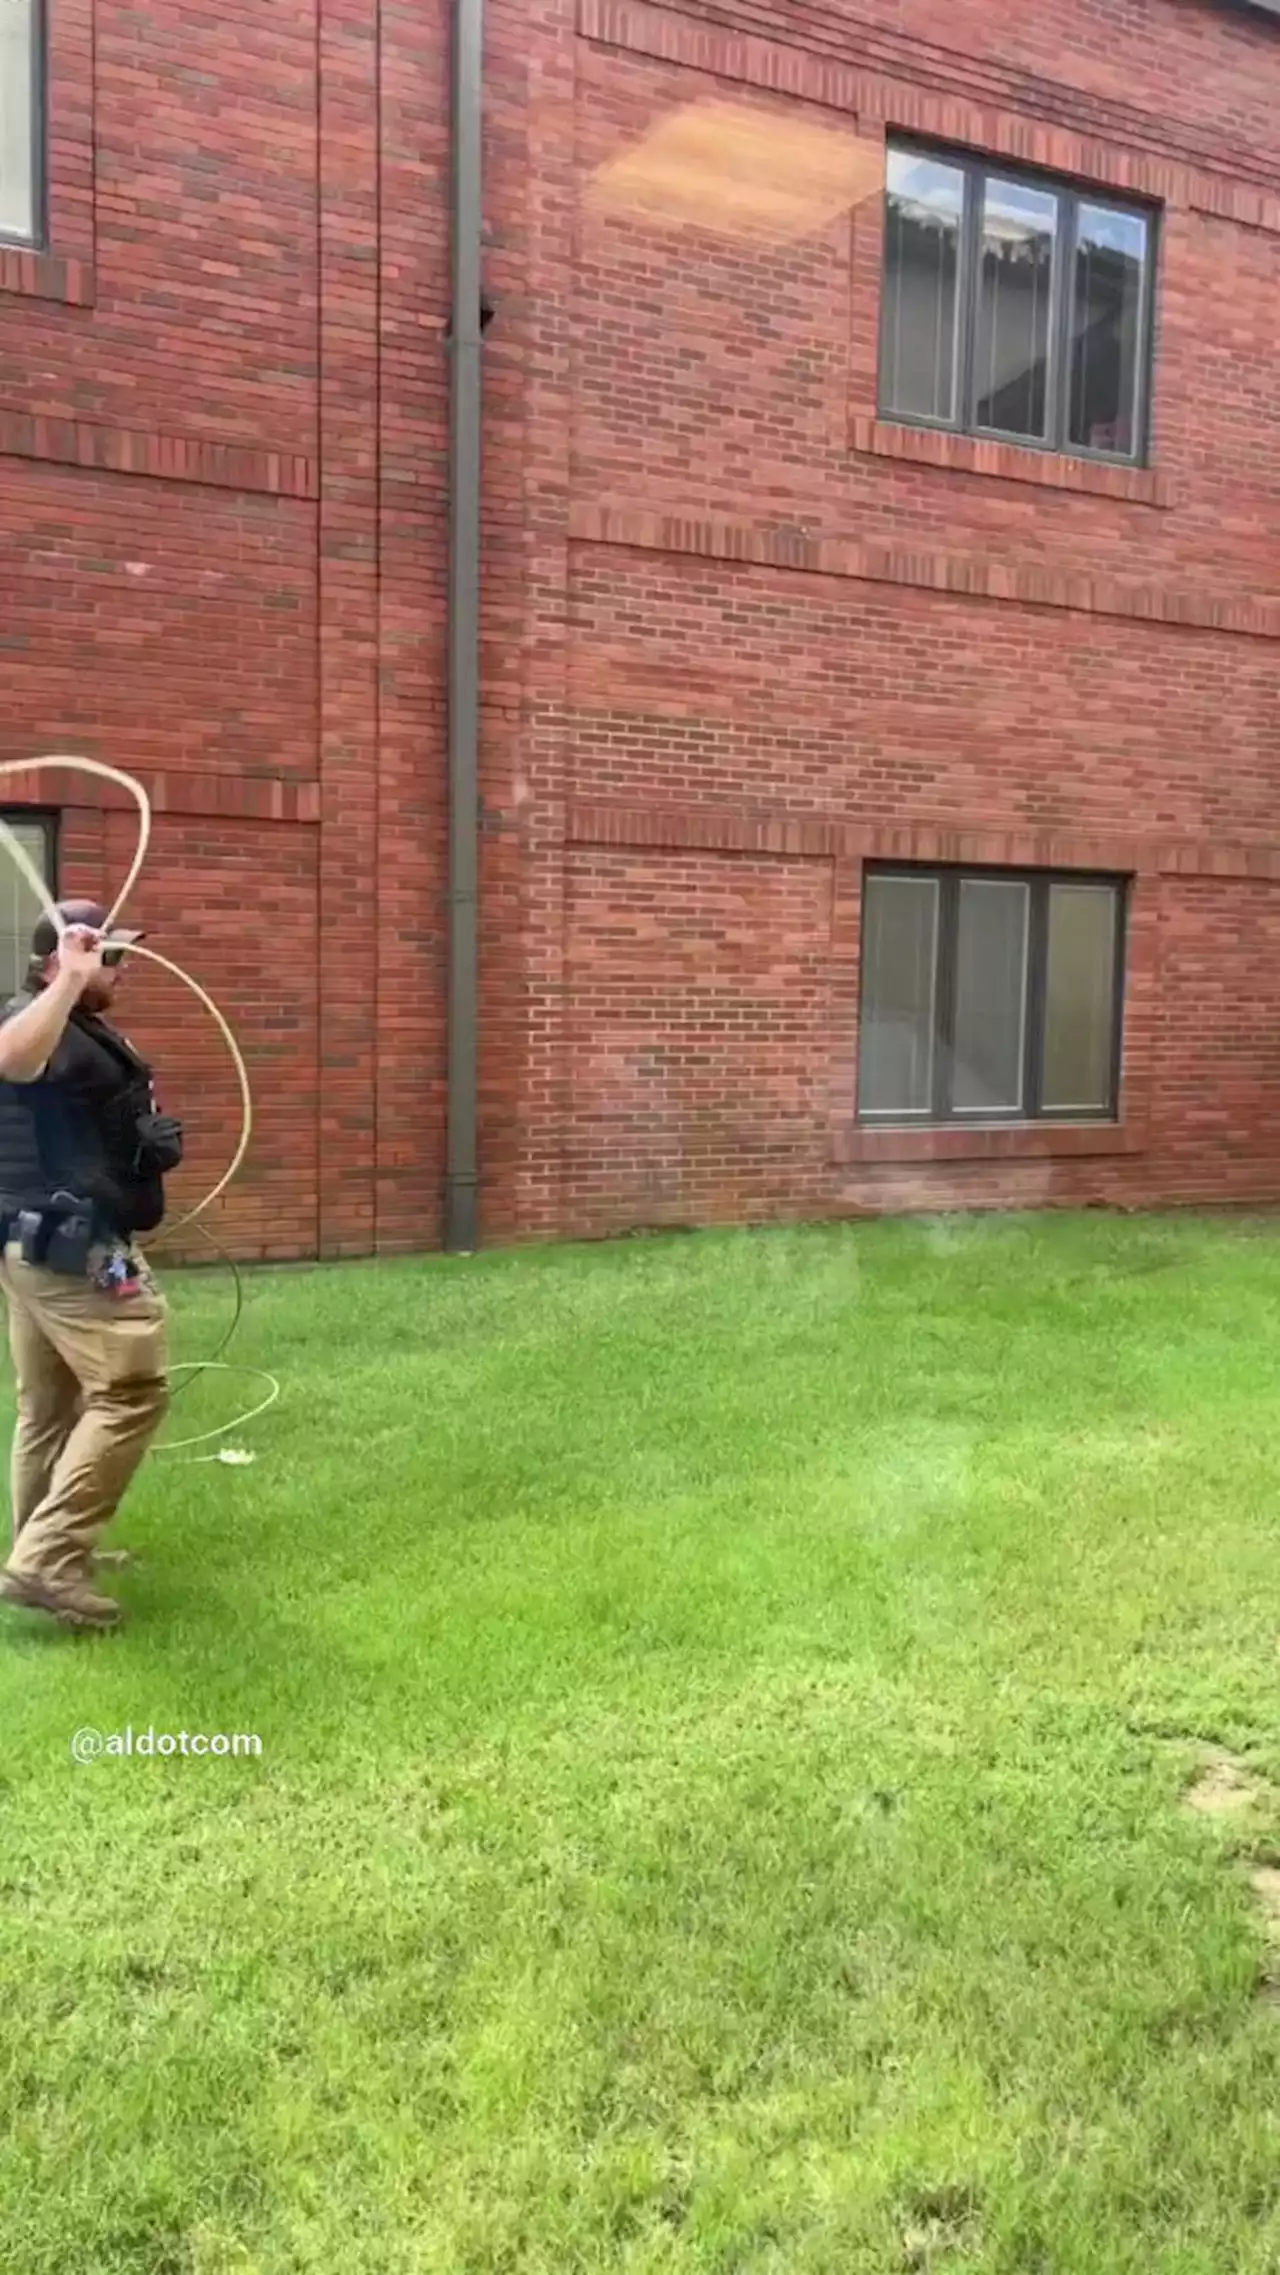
(83, 1156)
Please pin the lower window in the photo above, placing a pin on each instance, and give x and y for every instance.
(990, 995)
(19, 909)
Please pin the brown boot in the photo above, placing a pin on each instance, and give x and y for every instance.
(71, 1605)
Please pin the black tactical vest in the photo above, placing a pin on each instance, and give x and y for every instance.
(76, 1129)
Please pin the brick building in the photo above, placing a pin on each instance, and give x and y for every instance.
(879, 751)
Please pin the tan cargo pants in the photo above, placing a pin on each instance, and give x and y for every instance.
(92, 1391)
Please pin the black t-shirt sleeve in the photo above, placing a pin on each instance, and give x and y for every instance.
(59, 1068)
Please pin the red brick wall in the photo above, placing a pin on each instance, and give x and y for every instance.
(222, 501)
(765, 637)
(739, 635)
(700, 990)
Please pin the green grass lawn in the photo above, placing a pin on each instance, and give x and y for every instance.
(726, 1706)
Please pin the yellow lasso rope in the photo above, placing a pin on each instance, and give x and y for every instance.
(67, 763)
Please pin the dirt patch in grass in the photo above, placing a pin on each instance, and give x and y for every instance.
(1227, 1788)
(1264, 1880)
(1224, 1787)
(942, 2222)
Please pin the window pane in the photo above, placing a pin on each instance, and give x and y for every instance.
(1015, 307)
(19, 908)
(899, 962)
(922, 264)
(1080, 999)
(1106, 329)
(991, 996)
(17, 118)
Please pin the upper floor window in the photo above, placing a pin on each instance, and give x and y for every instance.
(21, 121)
(1014, 307)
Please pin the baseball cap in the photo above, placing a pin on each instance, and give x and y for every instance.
(44, 940)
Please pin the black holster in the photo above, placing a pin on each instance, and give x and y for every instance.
(59, 1238)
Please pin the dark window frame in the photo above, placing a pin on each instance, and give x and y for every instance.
(940, 1113)
(976, 168)
(37, 238)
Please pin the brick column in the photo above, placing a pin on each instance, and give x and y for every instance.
(348, 620)
(542, 777)
(413, 539)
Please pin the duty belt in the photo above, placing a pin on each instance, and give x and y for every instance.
(60, 1236)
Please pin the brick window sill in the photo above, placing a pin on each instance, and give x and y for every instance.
(1007, 462)
(43, 276)
(1021, 1141)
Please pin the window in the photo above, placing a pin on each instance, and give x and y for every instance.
(1014, 307)
(21, 121)
(19, 909)
(990, 995)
